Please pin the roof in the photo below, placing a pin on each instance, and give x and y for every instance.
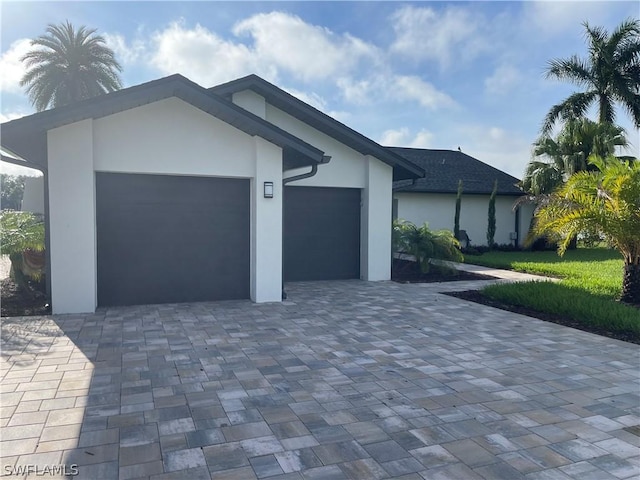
(27, 136)
(446, 167)
(402, 169)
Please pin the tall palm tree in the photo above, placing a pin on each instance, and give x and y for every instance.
(610, 74)
(68, 65)
(606, 202)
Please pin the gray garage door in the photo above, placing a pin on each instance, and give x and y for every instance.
(165, 239)
(321, 233)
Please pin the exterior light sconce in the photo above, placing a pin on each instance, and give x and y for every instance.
(268, 189)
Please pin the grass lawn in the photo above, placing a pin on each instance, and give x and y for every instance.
(591, 282)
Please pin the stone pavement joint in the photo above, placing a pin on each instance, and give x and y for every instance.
(345, 379)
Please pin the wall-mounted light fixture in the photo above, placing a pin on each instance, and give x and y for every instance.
(268, 189)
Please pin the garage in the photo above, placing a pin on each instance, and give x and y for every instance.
(168, 239)
(321, 233)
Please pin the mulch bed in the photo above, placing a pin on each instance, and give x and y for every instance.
(478, 297)
(19, 302)
(404, 271)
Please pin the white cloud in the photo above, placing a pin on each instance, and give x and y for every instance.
(413, 88)
(565, 17)
(447, 37)
(12, 67)
(126, 54)
(203, 56)
(311, 98)
(357, 92)
(506, 150)
(305, 51)
(402, 137)
(503, 80)
(395, 138)
(396, 88)
(8, 116)
(274, 47)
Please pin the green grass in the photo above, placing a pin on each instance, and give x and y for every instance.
(591, 282)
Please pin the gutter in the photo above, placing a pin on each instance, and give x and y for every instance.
(314, 170)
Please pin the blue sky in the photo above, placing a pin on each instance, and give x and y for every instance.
(423, 74)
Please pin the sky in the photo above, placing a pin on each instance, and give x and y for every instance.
(426, 74)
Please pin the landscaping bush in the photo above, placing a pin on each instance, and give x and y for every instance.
(425, 244)
(22, 233)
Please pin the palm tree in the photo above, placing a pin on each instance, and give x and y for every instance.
(606, 202)
(568, 153)
(68, 65)
(610, 74)
(425, 244)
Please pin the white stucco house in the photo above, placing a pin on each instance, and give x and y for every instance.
(170, 192)
(432, 199)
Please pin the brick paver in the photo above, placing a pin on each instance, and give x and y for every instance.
(343, 380)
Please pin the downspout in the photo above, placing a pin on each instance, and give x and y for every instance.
(285, 181)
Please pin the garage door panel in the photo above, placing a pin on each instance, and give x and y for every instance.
(168, 239)
(321, 233)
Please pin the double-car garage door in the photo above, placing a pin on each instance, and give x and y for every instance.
(165, 239)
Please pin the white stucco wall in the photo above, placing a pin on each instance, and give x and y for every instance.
(72, 231)
(166, 137)
(266, 235)
(439, 210)
(347, 167)
(172, 137)
(375, 254)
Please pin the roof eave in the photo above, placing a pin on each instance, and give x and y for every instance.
(402, 168)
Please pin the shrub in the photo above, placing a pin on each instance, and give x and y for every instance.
(21, 232)
(425, 244)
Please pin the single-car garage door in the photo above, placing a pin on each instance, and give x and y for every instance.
(321, 233)
(165, 239)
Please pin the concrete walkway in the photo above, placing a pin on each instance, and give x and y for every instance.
(344, 380)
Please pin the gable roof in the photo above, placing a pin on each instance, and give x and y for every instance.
(445, 167)
(402, 169)
(27, 136)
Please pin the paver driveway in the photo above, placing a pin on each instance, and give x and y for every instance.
(345, 380)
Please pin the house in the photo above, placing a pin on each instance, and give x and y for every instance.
(170, 192)
(432, 199)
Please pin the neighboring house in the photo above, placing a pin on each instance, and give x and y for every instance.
(169, 192)
(33, 195)
(432, 199)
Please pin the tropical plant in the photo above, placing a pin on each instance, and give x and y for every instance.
(559, 158)
(456, 218)
(21, 232)
(491, 214)
(11, 191)
(67, 65)
(610, 74)
(425, 244)
(605, 202)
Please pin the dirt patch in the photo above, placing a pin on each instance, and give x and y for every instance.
(404, 271)
(478, 297)
(20, 302)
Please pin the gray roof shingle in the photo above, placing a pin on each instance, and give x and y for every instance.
(445, 167)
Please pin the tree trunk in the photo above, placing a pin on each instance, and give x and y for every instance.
(631, 284)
